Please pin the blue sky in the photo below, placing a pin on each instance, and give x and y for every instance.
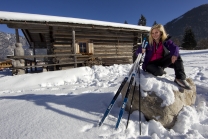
(118, 11)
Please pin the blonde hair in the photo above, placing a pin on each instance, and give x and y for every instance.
(162, 31)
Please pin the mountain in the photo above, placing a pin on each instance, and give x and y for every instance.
(197, 19)
(7, 44)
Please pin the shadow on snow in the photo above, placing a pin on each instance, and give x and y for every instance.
(92, 103)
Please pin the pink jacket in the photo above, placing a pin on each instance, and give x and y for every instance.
(158, 51)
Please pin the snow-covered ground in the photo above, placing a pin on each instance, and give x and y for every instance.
(70, 103)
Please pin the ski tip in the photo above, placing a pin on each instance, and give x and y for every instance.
(99, 124)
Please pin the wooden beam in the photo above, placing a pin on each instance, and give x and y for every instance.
(113, 47)
(41, 56)
(61, 45)
(45, 65)
(95, 42)
(26, 36)
(95, 32)
(107, 38)
(17, 36)
(72, 25)
(26, 26)
(115, 53)
(39, 31)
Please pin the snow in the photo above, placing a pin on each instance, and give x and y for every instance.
(70, 103)
(46, 18)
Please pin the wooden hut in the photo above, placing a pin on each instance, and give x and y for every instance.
(72, 42)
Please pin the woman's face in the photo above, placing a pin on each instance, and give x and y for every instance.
(156, 34)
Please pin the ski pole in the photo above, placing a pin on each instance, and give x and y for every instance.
(138, 66)
(110, 106)
(131, 105)
(139, 105)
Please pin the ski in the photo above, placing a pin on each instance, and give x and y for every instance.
(127, 92)
(110, 106)
(125, 101)
(113, 101)
(132, 98)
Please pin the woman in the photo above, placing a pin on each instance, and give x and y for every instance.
(161, 53)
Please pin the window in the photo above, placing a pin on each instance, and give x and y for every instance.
(83, 47)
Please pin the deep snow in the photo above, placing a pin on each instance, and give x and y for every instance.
(69, 103)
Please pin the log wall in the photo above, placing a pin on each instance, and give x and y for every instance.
(112, 45)
(114, 54)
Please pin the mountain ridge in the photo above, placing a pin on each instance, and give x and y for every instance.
(196, 19)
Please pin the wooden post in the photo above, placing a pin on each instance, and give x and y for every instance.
(17, 36)
(74, 47)
(31, 69)
(26, 70)
(50, 50)
(34, 53)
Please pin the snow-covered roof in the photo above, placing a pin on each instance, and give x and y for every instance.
(47, 18)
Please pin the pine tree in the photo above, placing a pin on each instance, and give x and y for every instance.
(155, 23)
(142, 21)
(189, 41)
(125, 22)
(203, 43)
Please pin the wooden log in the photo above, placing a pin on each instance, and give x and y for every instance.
(115, 42)
(63, 41)
(26, 26)
(62, 51)
(35, 31)
(62, 48)
(113, 50)
(22, 24)
(46, 65)
(112, 47)
(124, 58)
(92, 35)
(106, 38)
(41, 56)
(17, 36)
(115, 53)
(61, 45)
(118, 58)
(74, 47)
(111, 55)
(65, 59)
(111, 43)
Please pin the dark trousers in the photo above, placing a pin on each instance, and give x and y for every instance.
(157, 67)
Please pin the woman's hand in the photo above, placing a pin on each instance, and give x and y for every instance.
(173, 59)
